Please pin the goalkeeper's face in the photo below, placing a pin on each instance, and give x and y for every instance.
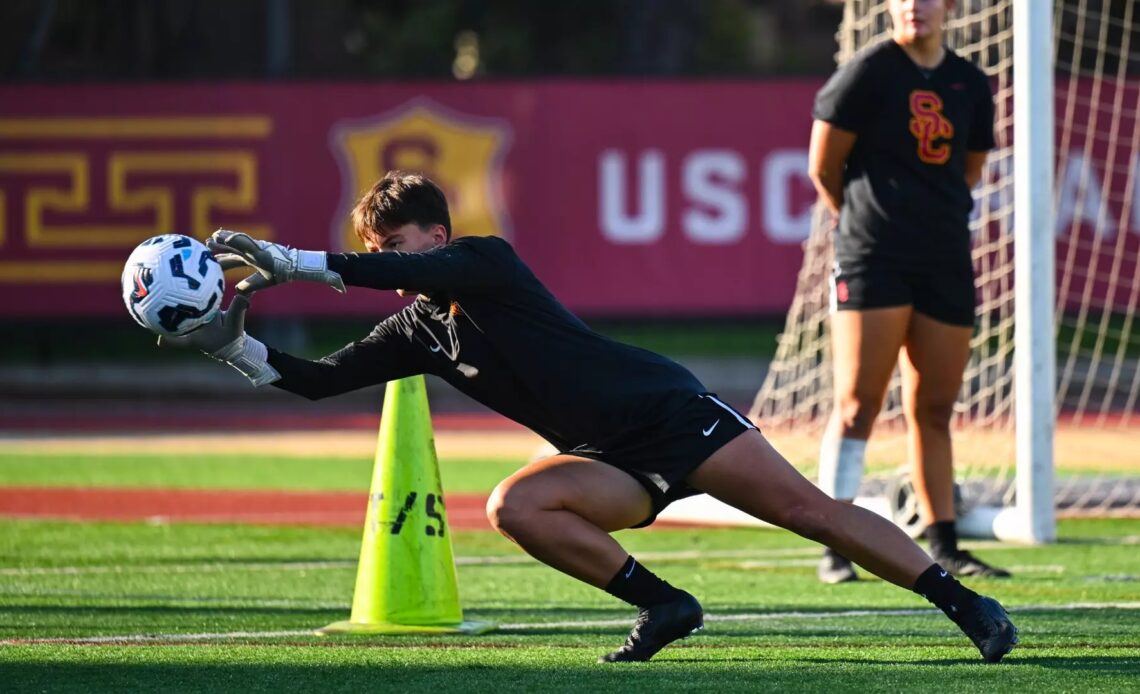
(410, 238)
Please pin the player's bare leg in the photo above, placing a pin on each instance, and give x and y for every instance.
(865, 346)
(561, 510)
(932, 362)
(749, 474)
(864, 349)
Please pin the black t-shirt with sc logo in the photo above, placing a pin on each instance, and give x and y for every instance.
(905, 198)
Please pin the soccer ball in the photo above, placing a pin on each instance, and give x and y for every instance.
(172, 284)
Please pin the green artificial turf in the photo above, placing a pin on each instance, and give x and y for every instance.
(770, 625)
(176, 471)
(249, 597)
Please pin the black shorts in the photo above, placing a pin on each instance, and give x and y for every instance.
(660, 457)
(944, 293)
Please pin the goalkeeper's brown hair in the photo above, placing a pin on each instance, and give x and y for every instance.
(397, 199)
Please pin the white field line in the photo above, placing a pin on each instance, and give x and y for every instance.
(165, 638)
(745, 617)
(254, 601)
(796, 615)
(1017, 569)
(491, 560)
(742, 559)
(235, 601)
(207, 567)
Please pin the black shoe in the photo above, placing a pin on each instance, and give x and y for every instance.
(657, 627)
(835, 568)
(962, 563)
(984, 620)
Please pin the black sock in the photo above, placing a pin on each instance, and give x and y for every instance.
(829, 552)
(943, 538)
(640, 587)
(944, 591)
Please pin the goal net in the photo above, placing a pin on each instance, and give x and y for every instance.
(1097, 219)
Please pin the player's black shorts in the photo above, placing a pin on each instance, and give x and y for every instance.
(660, 457)
(944, 293)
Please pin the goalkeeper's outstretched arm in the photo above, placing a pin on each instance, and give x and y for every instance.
(384, 355)
(473, 264)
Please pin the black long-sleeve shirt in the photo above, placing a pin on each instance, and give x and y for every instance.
(494, 332)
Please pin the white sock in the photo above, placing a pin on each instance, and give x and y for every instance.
(841, 466)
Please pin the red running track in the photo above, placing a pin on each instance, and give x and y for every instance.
(464, 511)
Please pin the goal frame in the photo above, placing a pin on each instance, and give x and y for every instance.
(1034, 259)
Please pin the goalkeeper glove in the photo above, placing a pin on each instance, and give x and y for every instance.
(224, 339)
(275, 264)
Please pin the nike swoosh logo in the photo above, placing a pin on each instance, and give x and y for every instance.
(435, 348)
(942, 574)
(708, 431)
(140, 288)
(632, 566)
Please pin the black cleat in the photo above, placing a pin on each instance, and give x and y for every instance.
(984, 620)
(962, 563)
(835, 568)
(657, 627)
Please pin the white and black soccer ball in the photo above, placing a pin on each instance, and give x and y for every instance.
(172, 284)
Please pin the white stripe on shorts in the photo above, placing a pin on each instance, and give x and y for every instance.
(739, 417)
(832, 296)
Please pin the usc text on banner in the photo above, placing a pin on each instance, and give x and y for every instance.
(662, 198)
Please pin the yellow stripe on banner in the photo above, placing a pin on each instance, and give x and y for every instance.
(173, 126)
(58, 272)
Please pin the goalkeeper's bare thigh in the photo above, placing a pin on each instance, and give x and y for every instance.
(748, 474)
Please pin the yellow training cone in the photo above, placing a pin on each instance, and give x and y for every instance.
(405, 582)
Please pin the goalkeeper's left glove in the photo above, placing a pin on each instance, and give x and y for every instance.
(275, 264)
(224, 339)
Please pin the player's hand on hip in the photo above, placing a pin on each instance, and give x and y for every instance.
(224, 339)
(275, 264)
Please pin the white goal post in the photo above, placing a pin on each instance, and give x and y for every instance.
(1034, 354)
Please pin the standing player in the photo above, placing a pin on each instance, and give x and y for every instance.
(635, 430)
(900, 137)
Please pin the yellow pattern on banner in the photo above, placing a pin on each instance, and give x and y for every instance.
(64, 182)
(126, 128)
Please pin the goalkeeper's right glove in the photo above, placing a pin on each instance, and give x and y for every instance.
(224, 339)
(275, 264)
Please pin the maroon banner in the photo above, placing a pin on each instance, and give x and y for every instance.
(667, 198)
(658, 198)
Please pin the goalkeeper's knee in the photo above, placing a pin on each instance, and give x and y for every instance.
(841, 466)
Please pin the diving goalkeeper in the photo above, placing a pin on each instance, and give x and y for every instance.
(634, 430)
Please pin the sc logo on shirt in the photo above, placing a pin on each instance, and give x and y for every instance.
(928, 124)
